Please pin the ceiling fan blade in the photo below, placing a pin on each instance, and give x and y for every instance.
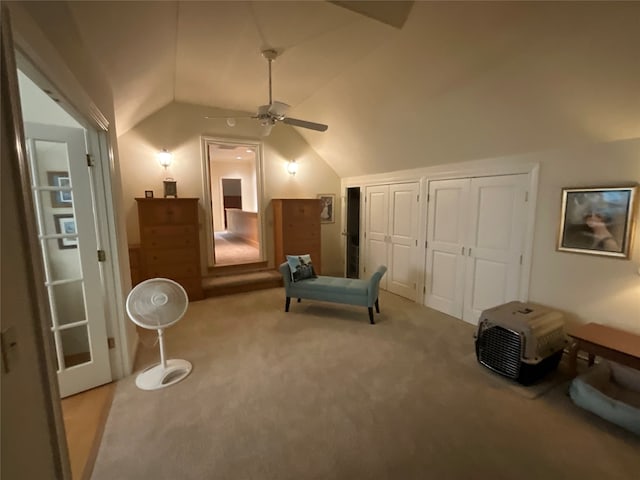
(278, 109)
(304, 124)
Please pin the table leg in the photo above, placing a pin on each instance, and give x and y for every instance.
(592, 359)
(573, 359)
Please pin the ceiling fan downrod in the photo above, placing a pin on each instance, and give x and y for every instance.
(270, 55)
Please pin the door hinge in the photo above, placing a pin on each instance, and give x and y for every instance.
(426, 243)
(520, 259)
(428, 197)
(526, 196)
(424, 289)
(102, 256)
(90, 161)
(418, 198)
(111, 342)
(364, 269)
(416, 243)
(414, 286)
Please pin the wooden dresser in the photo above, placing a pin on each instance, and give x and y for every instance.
(170, 241)
(296, 229)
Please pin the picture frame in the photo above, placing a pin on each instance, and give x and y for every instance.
(60, 198)
(597, 221)
(66, 224)
(327, 207)
(170, 189)
(148, 194)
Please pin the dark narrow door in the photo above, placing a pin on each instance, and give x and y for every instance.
(353, 232)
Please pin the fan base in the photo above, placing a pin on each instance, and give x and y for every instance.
(155, 377)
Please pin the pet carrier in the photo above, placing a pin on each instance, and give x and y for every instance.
(520, 341)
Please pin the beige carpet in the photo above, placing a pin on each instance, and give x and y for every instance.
(230, 249)
(318, 393)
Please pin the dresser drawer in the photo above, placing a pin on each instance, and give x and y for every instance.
(169, 236)
(303, 211)
(167, 211)
(171, 256)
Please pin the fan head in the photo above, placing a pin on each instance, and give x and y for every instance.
(157, 303)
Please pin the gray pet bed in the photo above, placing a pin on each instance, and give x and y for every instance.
(611, 391)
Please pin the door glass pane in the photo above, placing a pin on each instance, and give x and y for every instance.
(52, 166)
(63, 257)
(75, 346)
(68, 299)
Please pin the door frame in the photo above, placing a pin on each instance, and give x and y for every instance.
(104, 176)
(205, 140)
(481, 168)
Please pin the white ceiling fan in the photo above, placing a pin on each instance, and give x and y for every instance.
(268, 115)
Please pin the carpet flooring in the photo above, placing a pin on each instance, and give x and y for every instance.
(318, 393)
(231, 249)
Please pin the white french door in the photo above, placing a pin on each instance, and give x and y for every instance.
(63, 199)
(391, 231)
(475, 242)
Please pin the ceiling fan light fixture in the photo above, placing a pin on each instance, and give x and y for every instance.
(292, 167)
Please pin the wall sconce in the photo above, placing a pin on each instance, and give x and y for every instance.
(292, 167)
(164, 158)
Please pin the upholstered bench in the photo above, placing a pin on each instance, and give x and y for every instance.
(334, 289)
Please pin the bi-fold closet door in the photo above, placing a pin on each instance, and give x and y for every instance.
(391, 233)
(475, 243)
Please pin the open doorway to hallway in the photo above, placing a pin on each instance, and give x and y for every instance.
(234, 186)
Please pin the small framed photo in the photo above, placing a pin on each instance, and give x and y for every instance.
(327, 207)
(170, 188)
(66, 224)
(597, 221)
(148, 194)
(60, 198)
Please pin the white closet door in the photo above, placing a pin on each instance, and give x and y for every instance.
(376, 227)
(446, 231)
(497, 215)
(402, 238)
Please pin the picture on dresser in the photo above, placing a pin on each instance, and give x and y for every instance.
(327, 202)
(597, 221)
(60, 198)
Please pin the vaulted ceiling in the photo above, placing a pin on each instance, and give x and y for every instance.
(455, 81)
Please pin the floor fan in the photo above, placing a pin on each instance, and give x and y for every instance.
(156, 304)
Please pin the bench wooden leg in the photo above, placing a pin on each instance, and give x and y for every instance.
(371, 316)
(287, 303)
(377, 306)
(299, 300)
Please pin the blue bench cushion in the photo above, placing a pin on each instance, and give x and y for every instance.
(322, 284)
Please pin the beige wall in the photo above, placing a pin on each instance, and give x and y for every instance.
(587, 287)
(179, 128)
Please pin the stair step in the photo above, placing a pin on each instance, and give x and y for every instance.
(242, 282)
(225, 270)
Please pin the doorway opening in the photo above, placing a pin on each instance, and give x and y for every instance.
(70, 209)
(353, 232)
(233, 185)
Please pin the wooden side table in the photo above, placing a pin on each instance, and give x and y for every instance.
(595, 339)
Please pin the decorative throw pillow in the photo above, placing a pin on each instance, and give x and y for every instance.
(301, 267)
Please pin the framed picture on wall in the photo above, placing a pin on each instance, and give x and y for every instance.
(597, 221)
(327, 209)
(66, 224)
(60, 198)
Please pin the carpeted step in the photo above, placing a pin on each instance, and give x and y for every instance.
(243, 282)
(238, 268)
